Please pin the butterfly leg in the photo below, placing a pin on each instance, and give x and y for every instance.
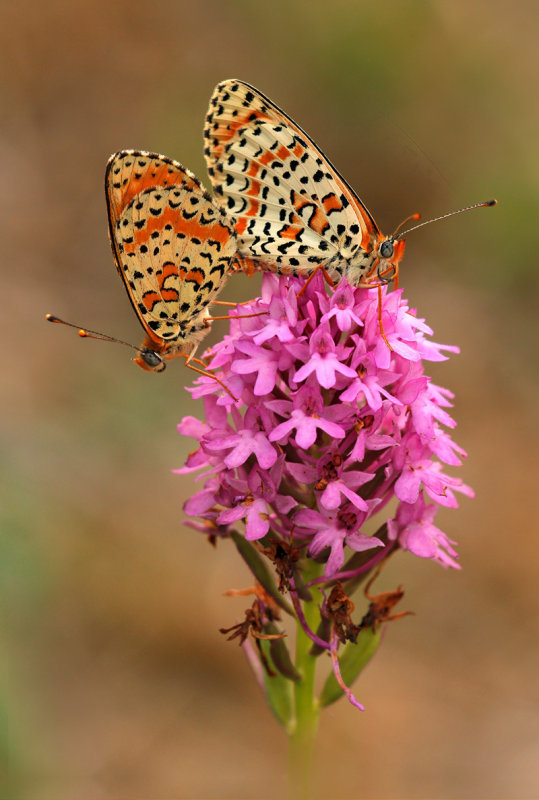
(384, 337)
(189, 357)
(238, 316)
(328, 280)
(226, 303)
(209, 375)
(198, 361)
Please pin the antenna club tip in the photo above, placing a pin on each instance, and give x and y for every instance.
(491, 203)
(417, 215)
(82, 333)
(50, 317)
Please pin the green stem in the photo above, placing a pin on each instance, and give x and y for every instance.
(307, 709)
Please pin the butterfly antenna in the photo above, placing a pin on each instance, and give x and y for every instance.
(444, 216)
(85, 333)
(412, 216)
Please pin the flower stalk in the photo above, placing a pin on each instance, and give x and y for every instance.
(306, 706)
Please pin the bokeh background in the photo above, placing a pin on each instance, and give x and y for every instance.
(115, 681)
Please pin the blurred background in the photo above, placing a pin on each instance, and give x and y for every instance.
(115, 681)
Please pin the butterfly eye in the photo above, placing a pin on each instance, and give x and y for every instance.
(386, 249)
(152, 360)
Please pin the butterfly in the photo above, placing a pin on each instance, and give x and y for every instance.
(173, 247)
(294, 211)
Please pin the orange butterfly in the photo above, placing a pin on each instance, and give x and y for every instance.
(294, 212)
(173, 247)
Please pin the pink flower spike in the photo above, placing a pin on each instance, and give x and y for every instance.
(330, 427)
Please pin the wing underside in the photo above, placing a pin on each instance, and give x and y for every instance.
(291, 206)
(172, 244)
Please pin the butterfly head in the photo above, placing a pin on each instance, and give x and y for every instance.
(377, 265)
(389, 252)
(149, 360)
(153, 352)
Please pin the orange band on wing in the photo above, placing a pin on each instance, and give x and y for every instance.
(174, 217)
(318, 222)
(196, 275)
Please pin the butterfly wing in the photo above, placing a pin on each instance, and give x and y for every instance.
(292, 208)
(172, 244)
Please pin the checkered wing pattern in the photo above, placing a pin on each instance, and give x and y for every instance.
(172, 244)
(293, 210)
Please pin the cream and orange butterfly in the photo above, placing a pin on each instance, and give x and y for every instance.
(294, 212)
(173, 247)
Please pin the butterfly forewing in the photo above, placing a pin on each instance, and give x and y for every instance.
(291, 205)
(172, 244)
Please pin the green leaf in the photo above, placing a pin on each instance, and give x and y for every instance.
(280, 656)
(351, 662)
(278, 692)
(260, 570)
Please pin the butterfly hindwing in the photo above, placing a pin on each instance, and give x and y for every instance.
(172, 244)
